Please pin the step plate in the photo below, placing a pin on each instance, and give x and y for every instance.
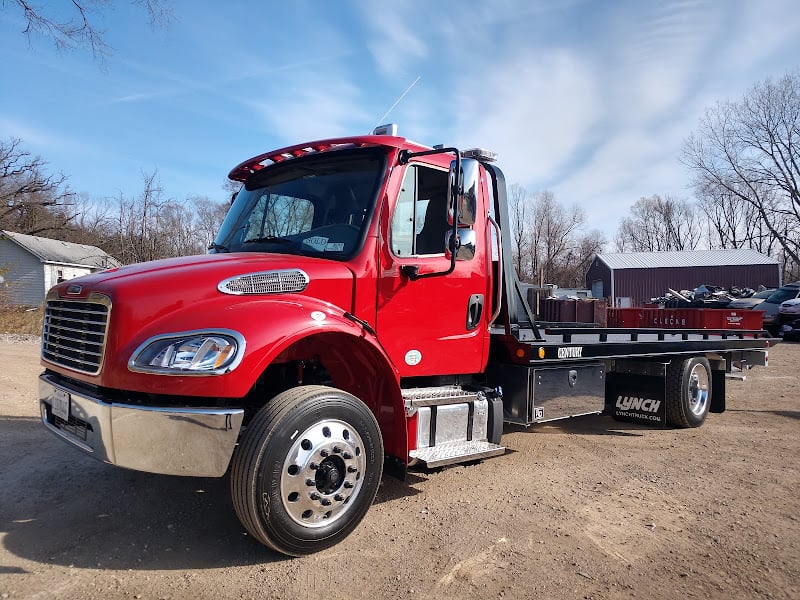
(448, 454)
(431, 396)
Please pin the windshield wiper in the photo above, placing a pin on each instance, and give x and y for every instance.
(270, 238)
(218, 247)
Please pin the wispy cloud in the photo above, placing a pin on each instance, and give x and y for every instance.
(535, 109)
(393, 41)
(30, 134)
(314, 105)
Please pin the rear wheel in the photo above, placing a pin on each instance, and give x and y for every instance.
(688, 392)
(307, 469)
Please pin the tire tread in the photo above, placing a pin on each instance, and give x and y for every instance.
(250, 450)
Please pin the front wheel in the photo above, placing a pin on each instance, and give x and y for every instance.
(307, 469)
(688, 392)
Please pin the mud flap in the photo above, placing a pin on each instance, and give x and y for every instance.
(636, 398)
(717, 391)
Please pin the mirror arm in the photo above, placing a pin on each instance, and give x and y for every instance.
(412, 271)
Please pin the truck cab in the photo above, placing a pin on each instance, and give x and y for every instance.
(343, 269)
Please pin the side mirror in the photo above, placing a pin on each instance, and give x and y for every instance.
(463, 246)
(463, 189)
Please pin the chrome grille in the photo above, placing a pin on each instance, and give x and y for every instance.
(74, 334)
(266, 282)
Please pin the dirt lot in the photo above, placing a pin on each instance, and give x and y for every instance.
(588, 508)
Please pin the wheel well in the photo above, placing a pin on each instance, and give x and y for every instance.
(347, 363)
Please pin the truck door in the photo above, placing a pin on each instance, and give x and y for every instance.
(436, 325)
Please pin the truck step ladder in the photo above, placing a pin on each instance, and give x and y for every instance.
(453, 425)
(457, 452)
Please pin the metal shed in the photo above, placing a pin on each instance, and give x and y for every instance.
(633, 278)
(31, 265)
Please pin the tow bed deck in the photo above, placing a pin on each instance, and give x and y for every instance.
(560, 344)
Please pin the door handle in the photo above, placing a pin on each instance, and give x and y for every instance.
(474, 311)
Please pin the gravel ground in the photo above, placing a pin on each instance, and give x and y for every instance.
(584, 508)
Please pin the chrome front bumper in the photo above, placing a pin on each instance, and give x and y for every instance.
(196, 442)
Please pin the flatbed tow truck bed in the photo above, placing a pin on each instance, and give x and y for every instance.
(555, 343)
(567, 370)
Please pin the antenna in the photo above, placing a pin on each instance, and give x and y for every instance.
(403, 95)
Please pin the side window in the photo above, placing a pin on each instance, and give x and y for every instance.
(419, 224)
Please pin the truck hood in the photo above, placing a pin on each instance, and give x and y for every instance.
(150, 291)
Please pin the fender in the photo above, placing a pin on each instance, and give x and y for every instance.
(269, 325)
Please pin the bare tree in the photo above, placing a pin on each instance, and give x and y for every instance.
(31, 201)
(659, 224)
(555, 235)
(231, 188)
(138, 224)
(79, 31)
(549, 243)
(734, 223)
(519, 217)
(208, 217)
(151, 226)
(576, 261)
(749, 150)
(92, 224)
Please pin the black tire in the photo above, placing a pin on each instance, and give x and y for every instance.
(307, 469)
(688, 392)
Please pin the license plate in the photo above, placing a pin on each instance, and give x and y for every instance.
(61, 404)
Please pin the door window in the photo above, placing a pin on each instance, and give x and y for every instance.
(419, 224)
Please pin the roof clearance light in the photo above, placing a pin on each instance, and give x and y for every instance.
(480, 154)
(388, 129)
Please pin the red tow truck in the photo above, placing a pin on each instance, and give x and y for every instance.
(357, 312)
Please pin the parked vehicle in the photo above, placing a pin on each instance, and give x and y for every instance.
(751, 301)
(791, 330)
(772, 305)
(789, 315)
(359, 310)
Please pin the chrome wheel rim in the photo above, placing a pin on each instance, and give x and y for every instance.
(698, 390)
(322, 473)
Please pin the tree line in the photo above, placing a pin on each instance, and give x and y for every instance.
(136, 228)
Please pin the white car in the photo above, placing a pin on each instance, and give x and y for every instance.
(790, 307)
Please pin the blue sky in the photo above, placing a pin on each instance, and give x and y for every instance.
(591, 100)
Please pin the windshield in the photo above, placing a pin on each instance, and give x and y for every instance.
(782, 295)
(318, 206)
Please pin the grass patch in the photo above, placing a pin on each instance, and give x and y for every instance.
(21, 321)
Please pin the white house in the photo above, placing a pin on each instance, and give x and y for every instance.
(31, 265)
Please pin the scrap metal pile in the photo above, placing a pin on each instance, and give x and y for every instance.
(704, 296)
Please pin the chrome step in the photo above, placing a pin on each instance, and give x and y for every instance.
(457, 452)
(433, 396)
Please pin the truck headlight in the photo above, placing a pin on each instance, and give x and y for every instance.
(213, 352)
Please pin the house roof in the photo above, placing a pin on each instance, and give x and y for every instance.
(688, 258)
(56, 251)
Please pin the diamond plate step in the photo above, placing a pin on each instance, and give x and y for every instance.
(448, 454)
(432, 396)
